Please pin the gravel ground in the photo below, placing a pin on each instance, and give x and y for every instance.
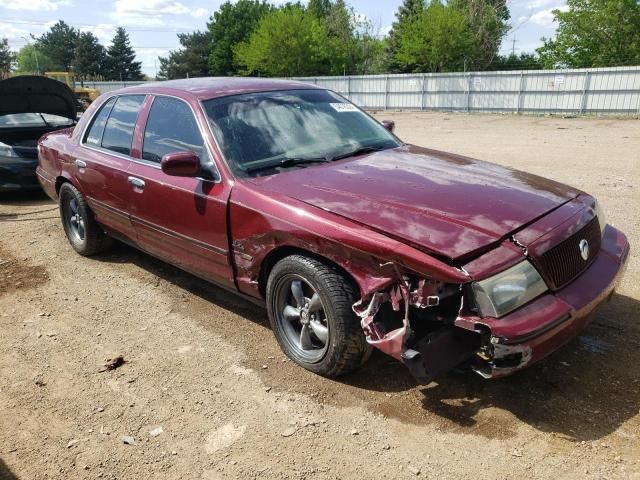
(205, 392)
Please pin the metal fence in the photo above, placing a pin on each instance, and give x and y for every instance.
(580, 91)
(111, 86)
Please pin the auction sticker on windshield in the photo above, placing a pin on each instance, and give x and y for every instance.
(344, 107)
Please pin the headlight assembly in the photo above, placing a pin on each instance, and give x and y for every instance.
(597, 208)
(7, 152)
(498, 295)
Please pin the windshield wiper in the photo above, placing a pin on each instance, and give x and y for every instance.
(293, 161)
(45, 121)
(288, 162)
(357, 151)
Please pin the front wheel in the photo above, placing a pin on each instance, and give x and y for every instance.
(84, 234)
(309, 304)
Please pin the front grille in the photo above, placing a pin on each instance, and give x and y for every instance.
(564, 262)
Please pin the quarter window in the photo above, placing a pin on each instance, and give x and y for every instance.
(171, 127)
(94, 134)
(118, 132)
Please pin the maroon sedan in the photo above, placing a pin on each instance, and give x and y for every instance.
(292, 197)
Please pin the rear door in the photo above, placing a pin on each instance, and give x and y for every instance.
(103, 160)
(181, 220)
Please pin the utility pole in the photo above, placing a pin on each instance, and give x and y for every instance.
(513, 48)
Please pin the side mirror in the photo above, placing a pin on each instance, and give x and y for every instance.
(181, 164)
(389, 125)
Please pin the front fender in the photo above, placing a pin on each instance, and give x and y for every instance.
(262, 222)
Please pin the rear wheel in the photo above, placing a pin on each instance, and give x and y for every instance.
(309, 304)
(84, 234)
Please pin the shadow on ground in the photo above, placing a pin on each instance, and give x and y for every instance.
(5, 473)
(585, 391)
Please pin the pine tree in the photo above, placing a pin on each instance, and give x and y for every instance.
(408, 11)
(191, 60)
(7, 58)
(89, 56)
(120, 62)
(59, 43)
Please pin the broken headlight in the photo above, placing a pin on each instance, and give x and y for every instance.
(498, 295)
(597, 208)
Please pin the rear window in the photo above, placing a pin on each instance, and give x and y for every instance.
(118, 132)
(94, 134)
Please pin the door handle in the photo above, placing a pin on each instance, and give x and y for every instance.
(136, 182)
(80, 164)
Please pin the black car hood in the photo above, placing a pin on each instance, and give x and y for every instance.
(33, 94)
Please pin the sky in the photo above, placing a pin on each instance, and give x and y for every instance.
(153, 24)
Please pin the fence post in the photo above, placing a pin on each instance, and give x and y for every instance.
(469, 92)
(424, 92)
(386, 92)
(520, 92)
(585, 86)
(349, 87)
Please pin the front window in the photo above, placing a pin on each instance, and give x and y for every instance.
(263, 133)
(171, 127)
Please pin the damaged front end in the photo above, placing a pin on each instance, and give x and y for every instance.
(433, 327)
(413, 320)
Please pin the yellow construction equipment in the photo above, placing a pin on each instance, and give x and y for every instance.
(85, 94)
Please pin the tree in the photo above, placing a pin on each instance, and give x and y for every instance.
(120, 62)
(89, 59)
(288, 41)
(230, 25)
(407, 12)
(489, 21)
(439, 39)
(319, 8)
(594, 33)
(32, 59)
(7, 58)
(524, 61)
(59, 43)
(192, 60)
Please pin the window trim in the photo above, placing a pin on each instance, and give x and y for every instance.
(141, 161)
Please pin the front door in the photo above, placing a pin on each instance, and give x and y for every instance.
(181, 220)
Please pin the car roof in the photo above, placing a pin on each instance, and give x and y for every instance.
(211, 87)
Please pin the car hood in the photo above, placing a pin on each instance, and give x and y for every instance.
(33, 94)
(444, 204)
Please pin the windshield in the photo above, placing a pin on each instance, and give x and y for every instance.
(33, 120)
(262, 133)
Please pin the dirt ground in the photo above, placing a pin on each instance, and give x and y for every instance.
(204, 366)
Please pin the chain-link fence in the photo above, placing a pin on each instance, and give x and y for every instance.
(581, 91)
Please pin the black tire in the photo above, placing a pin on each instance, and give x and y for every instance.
(88, 240)
(347, 348)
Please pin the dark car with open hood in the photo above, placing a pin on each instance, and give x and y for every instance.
(30, 106)
(294, 198)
